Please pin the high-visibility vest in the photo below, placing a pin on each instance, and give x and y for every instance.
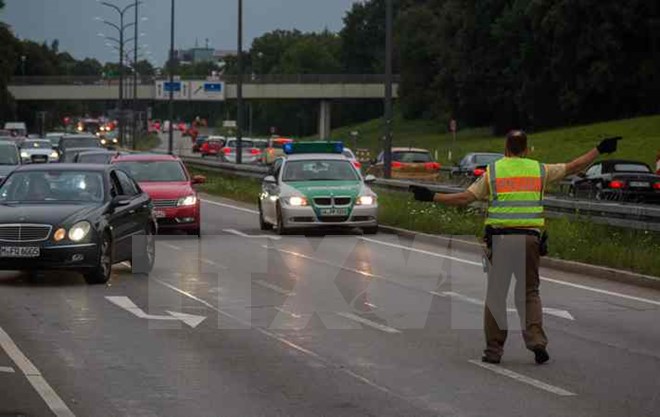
(516, 193)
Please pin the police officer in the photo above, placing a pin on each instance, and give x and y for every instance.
(514, 187)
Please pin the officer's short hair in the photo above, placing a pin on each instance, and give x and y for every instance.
(516, 142)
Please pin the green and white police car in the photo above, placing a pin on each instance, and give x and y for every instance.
(315, 186)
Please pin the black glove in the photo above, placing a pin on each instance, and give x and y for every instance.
(609, 145)
(422, 193)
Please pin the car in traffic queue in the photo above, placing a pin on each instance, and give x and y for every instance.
(108, 141)
(474, 164)
(408, 164)
(70, 145)
(213, 146)
(351, 156)
(38, 151)
(101, 156)
(617, 180)
(10, 159)
(166, 179)
(199, 141)
(83, 218)
(316, 186)
(250, 152)
(273, 150)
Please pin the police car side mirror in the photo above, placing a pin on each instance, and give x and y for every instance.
(270, 180)
(369, 179)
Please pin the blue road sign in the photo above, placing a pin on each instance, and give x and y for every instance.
(174, 86)
(213, 87)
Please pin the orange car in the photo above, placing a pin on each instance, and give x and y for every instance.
(408, 164)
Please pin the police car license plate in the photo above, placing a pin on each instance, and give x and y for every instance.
(640, 184)
(19, 252)
(159, 214)
(334, 212)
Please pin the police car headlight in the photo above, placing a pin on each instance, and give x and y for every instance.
(24, 155)
(79, 231)
(297, 201)
(366, 200)
(190, 200)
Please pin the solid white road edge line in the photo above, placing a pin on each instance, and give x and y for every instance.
(524, 379)
(7, 369)
(34, 377)
(273, 287)
(169, 245)
(241, 234)
(554, 281)
(243, 209)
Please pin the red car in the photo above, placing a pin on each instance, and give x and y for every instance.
(212, 147)
(170, 186)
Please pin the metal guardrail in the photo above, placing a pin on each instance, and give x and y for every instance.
(230, 79)
(632, 216)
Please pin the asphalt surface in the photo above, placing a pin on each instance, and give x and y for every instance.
(328, 324)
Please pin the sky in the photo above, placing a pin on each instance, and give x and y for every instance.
(72, 22)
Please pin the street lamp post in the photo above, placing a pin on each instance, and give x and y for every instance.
(388, 89)
(170, 139)
(239, 88)
(135, 76)
(121, 28)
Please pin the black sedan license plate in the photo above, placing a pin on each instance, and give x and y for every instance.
(334, 212)
(640, 184)
(19, 252)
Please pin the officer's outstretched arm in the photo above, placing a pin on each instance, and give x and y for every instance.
(608, 145)
(458, 199)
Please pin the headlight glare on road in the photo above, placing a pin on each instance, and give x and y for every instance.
(366, 200)
(297, 201)
(190, 200)
(79, 231)
(59, 234)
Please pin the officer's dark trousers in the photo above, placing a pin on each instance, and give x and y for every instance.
(514, 256)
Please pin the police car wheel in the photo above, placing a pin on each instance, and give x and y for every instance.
(281, 230)
(262, 223)
(371, 230)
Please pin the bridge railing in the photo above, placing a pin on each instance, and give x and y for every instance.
(230, 79)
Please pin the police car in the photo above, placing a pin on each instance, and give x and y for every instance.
(315, 185)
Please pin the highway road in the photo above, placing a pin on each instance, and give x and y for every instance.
(246, 324)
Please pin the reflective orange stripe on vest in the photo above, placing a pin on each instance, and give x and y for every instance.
(518, 184)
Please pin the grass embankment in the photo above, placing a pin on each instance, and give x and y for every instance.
(582, 241)
(641, 139)
(147, 142)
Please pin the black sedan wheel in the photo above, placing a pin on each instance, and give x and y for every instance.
(146, 253)
(101, 274)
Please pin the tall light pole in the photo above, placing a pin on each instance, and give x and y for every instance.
(120, 28)
(239, 88)
(388, 88)
(170, 139)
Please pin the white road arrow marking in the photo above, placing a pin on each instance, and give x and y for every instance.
(562, 314)
(128, 305)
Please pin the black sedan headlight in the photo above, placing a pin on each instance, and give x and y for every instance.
(79, 231)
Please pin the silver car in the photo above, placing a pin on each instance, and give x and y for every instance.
(34, 151)
(317, 190)
(251, 152)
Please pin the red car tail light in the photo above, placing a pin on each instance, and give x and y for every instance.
(432, 166)
(226, 150)
(617, 184)
(478, 172)
(255, 151)
(397, 165)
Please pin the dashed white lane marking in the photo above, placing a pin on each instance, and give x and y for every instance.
(7, 369)
(524, 379)
(243, 209)
(34, 377)
(274, 287)
(241, 234)
(323, 361)
(288, 313)
(367, 322)
(212, 263)
(479, 264)
(171, 246)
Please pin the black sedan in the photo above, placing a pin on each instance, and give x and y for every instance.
(75, 216)
(617, 180)
(473, 165)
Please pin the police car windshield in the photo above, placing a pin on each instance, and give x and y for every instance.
(319, 170)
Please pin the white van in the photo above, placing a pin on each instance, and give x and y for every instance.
(16, 128)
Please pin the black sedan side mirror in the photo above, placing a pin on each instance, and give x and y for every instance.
(119, 201)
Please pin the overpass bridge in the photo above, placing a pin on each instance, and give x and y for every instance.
(321, 87)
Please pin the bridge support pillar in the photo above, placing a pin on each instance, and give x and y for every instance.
(325, 115)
